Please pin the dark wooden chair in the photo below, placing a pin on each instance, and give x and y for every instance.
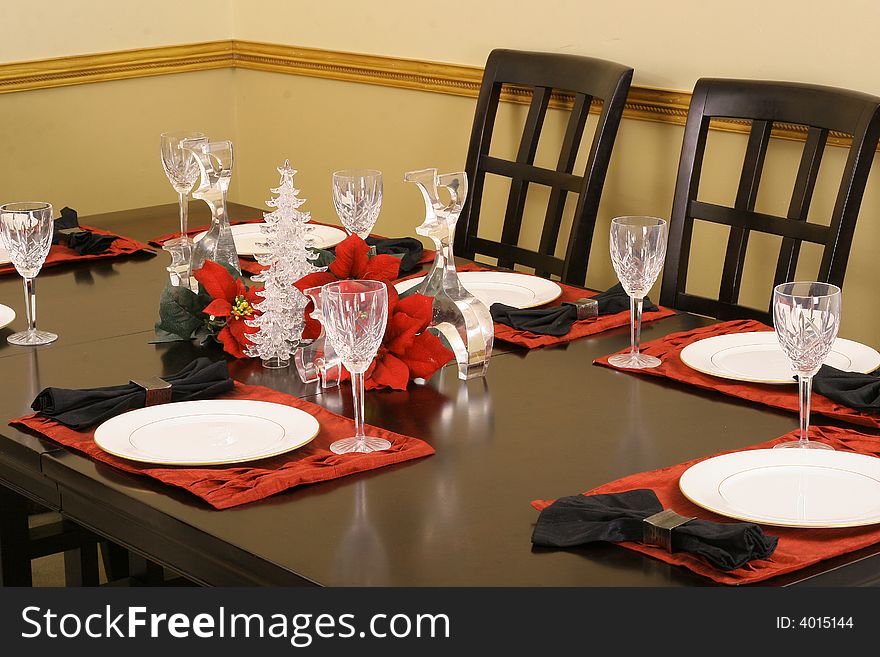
(21, 543)
(542, 73)
(820, 110)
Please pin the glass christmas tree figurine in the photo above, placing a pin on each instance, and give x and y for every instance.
(215, 168)
(458, 315)
(287, 259)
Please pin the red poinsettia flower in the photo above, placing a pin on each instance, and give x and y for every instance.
(232, 300)
(408, 351)
(351, 261)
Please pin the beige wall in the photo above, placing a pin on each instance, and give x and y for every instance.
(95, 147)
(58, 28)
(670, 44)
(79, 133)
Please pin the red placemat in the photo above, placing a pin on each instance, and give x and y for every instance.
(580, 329)
(797, 548)
(60, 253)
(668, 348)
(226, 486)
(250, 265)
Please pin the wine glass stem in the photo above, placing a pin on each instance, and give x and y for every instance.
(30, 302)
(184, 213)
(357, 390)
(805, 383)
(635, 327)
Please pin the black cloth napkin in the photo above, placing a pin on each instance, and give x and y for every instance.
(78, 409)
(615, 300)
(580, 519)
(557, 321)
(409, 249)
(84, 242)
(860, 392)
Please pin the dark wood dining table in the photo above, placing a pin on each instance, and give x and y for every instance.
(542, 424)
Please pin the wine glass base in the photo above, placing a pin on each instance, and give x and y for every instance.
(797, 444)
(349, 445)
(633, 361)
(276, 363)
(31, 338)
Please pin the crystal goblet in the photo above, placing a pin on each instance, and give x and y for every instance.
(26, 233)
(180, 167)
(355, 313)
(806, 317)
(357, 197)
(638, 247)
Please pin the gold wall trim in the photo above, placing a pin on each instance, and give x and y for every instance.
(643, 103)
(119, 65)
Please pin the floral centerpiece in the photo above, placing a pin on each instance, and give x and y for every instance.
(217, 313)
(408, 350)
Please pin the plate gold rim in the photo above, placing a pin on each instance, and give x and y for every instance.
(225, 462)
(735, 516)
(532, 305)
(730, 377)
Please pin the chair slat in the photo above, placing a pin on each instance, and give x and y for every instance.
(746, 195)
(724, 311)
(765, 223)
(567, 156)
(531, 173)
(799, 208)
(525, 257)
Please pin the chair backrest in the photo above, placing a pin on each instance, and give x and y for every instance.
(820, 109)
(588, 79)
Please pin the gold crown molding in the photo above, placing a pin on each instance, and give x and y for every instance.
(643, 103)
(119, 65)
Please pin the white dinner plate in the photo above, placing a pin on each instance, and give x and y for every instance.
(206, 432)
(247, 237)
(7, 315)
(788, 487)
(757, 357)
(512, 289)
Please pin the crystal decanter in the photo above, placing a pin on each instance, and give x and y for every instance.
(462, 319)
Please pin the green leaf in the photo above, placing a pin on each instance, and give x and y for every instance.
(165, 336)
(205, 333)
(180, 311)
(324, 257)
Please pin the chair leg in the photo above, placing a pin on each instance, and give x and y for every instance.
(144, 572)
(15, 558)
(81, 566)
(115, 558)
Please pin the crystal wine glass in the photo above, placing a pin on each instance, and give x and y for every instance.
(806, 317)
(26, 232)
(180, 167)
(638, 247)
(355, 314)
(357, 197)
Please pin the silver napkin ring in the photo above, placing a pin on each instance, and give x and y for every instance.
(158, 390)
(586, 308)
(657, 529)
